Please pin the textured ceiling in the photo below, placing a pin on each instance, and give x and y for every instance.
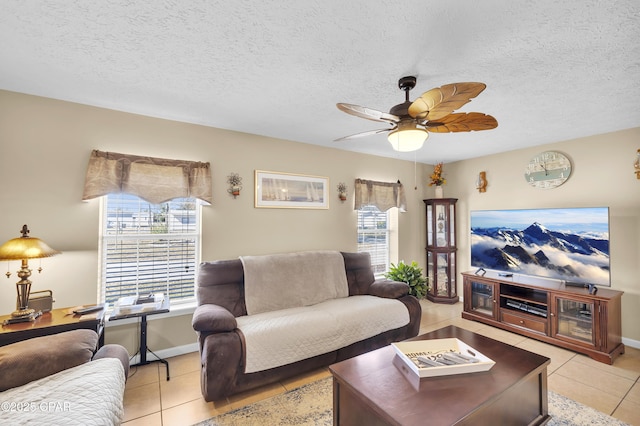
(555, 70)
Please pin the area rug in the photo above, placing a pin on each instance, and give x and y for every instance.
(312, 404)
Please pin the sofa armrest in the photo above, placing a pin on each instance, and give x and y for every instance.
(389, 289)
(213, 319)
(114, 351)
(39, 357)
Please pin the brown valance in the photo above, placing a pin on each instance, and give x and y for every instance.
(383, 195)
(155, 180)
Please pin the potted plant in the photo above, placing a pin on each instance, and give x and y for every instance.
(342, 191)
(235, 184)
(410, 274)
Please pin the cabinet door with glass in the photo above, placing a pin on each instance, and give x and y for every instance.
(441, 250)
(574, 320)
(480, 298)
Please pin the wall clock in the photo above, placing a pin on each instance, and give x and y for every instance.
(548, 170)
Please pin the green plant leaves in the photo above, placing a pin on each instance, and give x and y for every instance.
(410, 274)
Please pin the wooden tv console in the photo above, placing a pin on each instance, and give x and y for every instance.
(548, 311)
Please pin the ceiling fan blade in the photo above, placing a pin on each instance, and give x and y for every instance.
(368, 113)
(442, 101)
(462, 122)
(368, 133)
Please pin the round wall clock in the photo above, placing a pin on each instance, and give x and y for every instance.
(547, 170)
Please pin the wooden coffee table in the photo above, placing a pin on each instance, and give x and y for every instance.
(369, 389)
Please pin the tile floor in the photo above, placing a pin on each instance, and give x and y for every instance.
(613, 389)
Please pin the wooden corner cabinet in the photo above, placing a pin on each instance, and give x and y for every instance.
(441, 250)
(549, 311)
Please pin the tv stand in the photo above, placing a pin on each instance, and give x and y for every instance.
(574, 318)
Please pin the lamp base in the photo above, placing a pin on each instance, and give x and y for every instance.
(22, 312)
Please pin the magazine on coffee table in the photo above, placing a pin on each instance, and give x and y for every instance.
(441, 357)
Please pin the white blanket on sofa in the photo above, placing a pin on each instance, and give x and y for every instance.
(281, 337)
(86, 395)
(288, 280)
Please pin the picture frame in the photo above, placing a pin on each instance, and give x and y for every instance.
(290, 191)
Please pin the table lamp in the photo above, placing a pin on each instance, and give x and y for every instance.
(24, 248)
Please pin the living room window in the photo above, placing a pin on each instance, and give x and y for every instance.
(149, 248)
(374, 235)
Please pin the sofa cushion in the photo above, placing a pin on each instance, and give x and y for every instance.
(88, 394)
(282, 337)
(32, 359)
(281, 281)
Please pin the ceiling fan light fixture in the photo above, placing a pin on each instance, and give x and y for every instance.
(407, 137)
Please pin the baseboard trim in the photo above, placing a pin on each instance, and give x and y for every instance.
(167, 353)
(631, 343)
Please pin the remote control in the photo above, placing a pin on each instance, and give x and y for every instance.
(88, 310)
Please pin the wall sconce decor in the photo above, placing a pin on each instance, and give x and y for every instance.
(481, 184)
(25, 248)
(636, 165)
(342, 191)
(235, 184)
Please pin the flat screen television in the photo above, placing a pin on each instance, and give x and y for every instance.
(569, 244)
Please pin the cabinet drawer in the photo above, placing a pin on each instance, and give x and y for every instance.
(532, 324)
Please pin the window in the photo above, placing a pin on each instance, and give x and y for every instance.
(149, 248)
(373, 237)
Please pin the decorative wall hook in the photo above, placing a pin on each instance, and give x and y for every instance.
(482, 182)
(342, 191)
(235, 184)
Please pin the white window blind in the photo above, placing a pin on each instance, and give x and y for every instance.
(149, 248)
(373, 237)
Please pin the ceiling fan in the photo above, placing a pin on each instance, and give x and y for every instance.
(411, 122)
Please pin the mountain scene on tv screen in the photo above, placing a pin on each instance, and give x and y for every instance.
(580, 255)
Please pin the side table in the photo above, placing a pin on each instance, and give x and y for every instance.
(164, 308)
(55, 321)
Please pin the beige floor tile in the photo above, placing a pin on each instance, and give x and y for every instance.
(501, 335)
(623, 366)
(628, 412)
(301, 380)
(180, 389)
(584, 394)
(634, 394)
(630, 360)
(605, 380)
(557, 355)
(187, 363)
(192, 412)
(466, 324)
(141, 401)
(143, 375)
(154, 419)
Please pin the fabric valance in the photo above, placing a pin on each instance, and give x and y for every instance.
(383, 195)
(155, 180)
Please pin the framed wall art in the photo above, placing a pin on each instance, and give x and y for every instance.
(288, 190)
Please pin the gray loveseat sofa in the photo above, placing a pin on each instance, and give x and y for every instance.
(261, 319)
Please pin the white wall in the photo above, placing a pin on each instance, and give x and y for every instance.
(602, 176)
(44, 150)
(45, 145)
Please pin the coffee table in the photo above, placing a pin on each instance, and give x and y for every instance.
(369, 389)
